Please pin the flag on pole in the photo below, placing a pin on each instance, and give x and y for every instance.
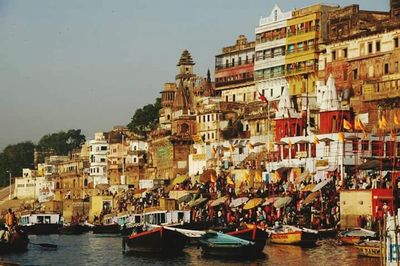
(396, 119)
(262, 98)
(358, 125)
(316, 140)
(347, 125)
(341, 137)
(382, 123)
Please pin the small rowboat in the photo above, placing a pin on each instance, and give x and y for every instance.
(254, 234)
(155, 241)
(222, 245)
(291, 235)
(356, 235)
(372, 248)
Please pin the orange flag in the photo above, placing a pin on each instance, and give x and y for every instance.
(316, 140)
(382, 123)
(341, 137)
(358, 125)
(347, 125)
(396, 119)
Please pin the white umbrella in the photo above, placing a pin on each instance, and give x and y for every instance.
(239, 201)
(320, 185)
(282, 202)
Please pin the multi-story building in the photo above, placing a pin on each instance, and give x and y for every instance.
(98, 159)
(306, 30)
(234, 72)
(367, 69)
(270, 50)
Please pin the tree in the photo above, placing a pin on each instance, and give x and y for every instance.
(145, 118)
(61, 143)
(14, 158)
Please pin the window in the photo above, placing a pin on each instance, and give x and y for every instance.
(355, 73)
(226, 99)
(333, 55)
(258, 127)
(271, 92)
(226, 63)
(103, 148)
(240, 61)
(378, 46)
(234, 97)
(345, 53)
(386, 68)
(208, 118)
(275, 15)
(370, 47)
(233, 61)
(396, 67)
(244, 97)
(396, 42)
(102, 160)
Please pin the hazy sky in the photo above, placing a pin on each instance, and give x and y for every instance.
(89, 64)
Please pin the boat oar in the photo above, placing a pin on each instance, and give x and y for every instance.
(44, 245)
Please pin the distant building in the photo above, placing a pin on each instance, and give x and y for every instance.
(98, 159)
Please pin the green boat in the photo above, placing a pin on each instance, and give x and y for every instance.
(223, 245)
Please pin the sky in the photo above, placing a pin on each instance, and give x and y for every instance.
(90, 64)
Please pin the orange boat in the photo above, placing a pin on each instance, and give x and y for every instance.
(291, 235)
(355, 236)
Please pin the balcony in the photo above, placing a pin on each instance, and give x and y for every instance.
(300, 70)
(299, 32)
(233, 82)
(230, 65)
(276, 74)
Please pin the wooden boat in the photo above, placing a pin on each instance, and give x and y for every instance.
(73, 229)
(223, 245)
(18, 243)
(291, 235)
(254, 234)
(112, 229)
(158, 240)
(40, 223)
(327, 233)
(356, 235)
(372, 248)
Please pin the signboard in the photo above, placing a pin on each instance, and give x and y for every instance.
(199, 157)
(146, 183)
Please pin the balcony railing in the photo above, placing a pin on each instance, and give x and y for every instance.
(229, 65)
(301, 31)
(300, 70)
(233, 82)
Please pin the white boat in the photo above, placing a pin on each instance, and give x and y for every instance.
(41, 223)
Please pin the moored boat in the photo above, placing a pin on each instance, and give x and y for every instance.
(106, 229)
(254, 234)
(356, 235)
(223, 245)
(73, 229)
(40, 223)
(291, 235)
(371, 248)
(18, 242)
(327, 233)
(158, 240)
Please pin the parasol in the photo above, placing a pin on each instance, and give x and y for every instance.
(179, 179)
(239, 201)
(185, 198)
(282, 202)
(252, 203)
(197, 202)
(310, 198)
(321, 185)
(269, 201)
(309, 187)
(303, 176)
(218, 201)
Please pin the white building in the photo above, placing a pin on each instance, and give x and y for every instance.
(270, 50)
(30, 186)
(98, 159)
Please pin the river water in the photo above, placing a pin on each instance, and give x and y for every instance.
(90, 249)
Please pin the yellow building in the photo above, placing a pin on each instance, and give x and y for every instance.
(99, 203)
(306, 30)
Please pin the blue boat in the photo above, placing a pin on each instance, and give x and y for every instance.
(223, 245)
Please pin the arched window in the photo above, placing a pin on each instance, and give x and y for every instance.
(85, 182)
(184, 128)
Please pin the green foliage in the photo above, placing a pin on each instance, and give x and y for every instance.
(14, 158)
(61, 143)
(145, 118)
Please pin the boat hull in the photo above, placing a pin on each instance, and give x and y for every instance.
(18, 245)
(228, 251)
(41, 229)
(158, 240)
(294, 238)
(106, 229)
(74, 229)
(370, 249)
(255, 235)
